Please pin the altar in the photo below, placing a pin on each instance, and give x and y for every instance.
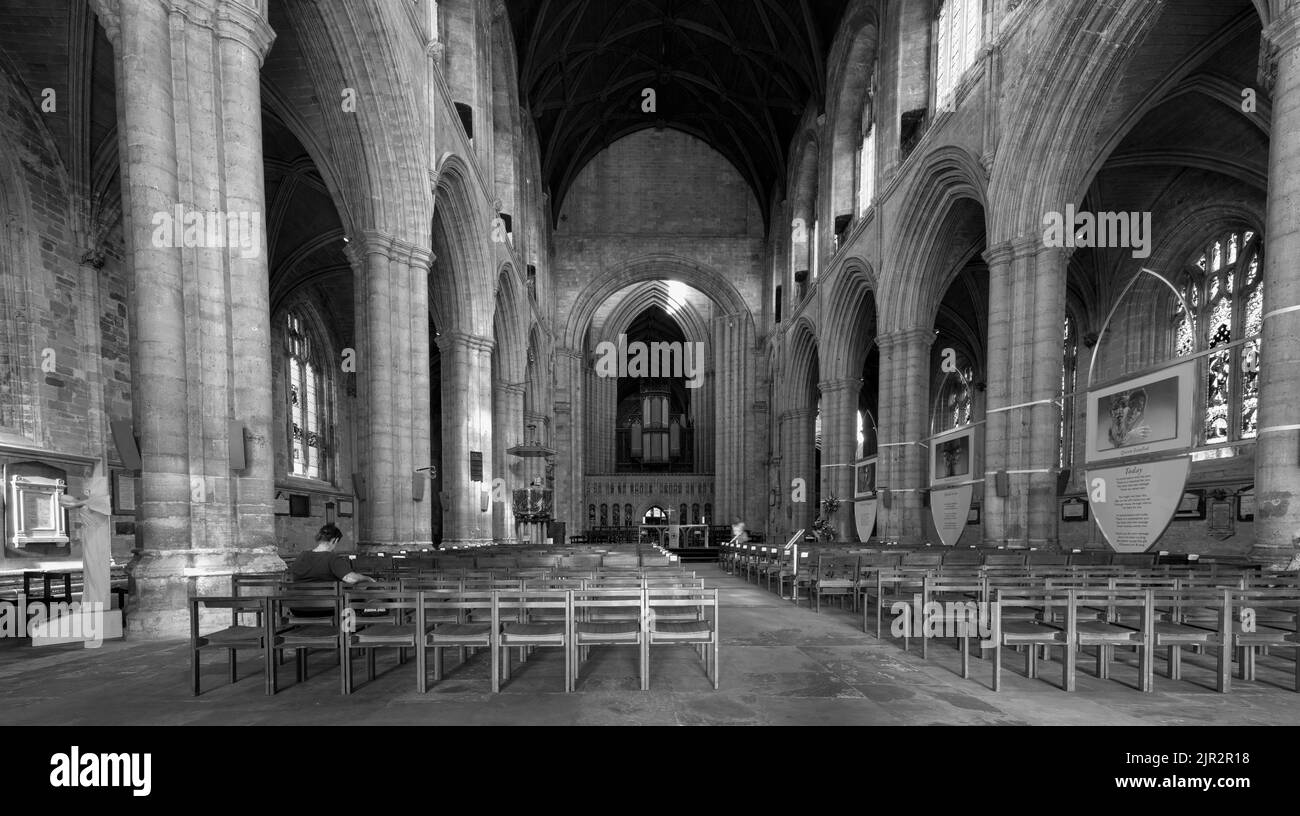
(675, 536)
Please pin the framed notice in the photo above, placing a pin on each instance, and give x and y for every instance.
(1074, 509)
(1143, 415)
(1191, 505)
(123, 493)
(952, 457)
(1246, 504)
(865, 478)
(345, 508)
(973, 514)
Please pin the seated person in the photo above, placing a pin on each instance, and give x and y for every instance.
(323, 564)
(739, 535)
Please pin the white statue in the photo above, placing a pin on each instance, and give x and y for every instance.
(96, 542)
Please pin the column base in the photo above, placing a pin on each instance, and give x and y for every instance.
(448, 543)
(1274, 559)
(369, 547)
(162, 582)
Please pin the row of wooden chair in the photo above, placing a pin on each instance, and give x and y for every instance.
(1144, 613)
(303, 618)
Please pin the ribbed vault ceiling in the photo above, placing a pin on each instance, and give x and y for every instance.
(737, 75)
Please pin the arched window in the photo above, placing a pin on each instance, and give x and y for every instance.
(655, 515)
(615, 509)
(954, 404)
(961, 29)
(681, 514)
(308, 408)
(604, 515)
(627, 515)
(695, 514)
(1224, 289)
(708, 512)
(591, 515)
(1069, 380)
(867, 150)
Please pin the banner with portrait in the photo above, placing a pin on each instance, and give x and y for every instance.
(1142, 415)
(864, 497)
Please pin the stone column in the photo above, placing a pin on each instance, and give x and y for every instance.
(1277, 476)
(1022, 428)
(190, 152)
(570, 466)
(392, 330)
(733, 463)
(466, 428)
(507, 431)
(839, 444)
(798, 442)
(904, 413)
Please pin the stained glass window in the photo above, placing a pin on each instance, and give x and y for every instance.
(1224, 290)
(308, 443)
(955, 404)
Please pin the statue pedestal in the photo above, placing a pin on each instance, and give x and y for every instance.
(90, 627)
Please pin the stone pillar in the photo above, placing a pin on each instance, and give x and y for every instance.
(1277, 476)
(466, 428)
(734, 464)
(190, 152)
(244, 39)
(392, 330)
(1022, 428)
(839, 445)
(904, 412)
(798, 442)
(570, 467)
(507, 431)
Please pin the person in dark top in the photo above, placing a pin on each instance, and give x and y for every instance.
(322, 564)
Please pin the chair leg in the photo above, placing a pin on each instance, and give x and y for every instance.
(194, 671)
(231, 659)
(437, 664)
(997, 666)
(1067, 670)
(1175, 662)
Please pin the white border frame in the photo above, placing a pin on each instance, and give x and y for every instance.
(1183, 437)
(936, 442)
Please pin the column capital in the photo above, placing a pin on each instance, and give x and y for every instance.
(450, 340)
(795, 414)
(375, 242)
(897, 338)
(846, 384)
(509, 387)
(109, 13)
(572, 353)
(1282, 26)
(244, 24)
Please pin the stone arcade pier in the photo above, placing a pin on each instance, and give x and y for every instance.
(189, 117)
(1277, 456)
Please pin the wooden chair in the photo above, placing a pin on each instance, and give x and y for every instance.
(442, 618)
(1128, 620)
(231, 638)
(608, 617)
(701, 633)
(1195, 617)
(1030, 632)
(836, 576)
(966, 594)
(1274, 622)
(286, 629)
(526, 633)
(375, 619)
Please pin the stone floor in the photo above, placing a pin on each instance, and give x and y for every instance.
(781, 665)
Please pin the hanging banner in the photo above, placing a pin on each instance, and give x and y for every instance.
(1133, 504)
(864, 497)
(864, 517)
(1142, 415)
(949, 507)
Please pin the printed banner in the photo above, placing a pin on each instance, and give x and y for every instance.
(949, 507)
(1142, 415)
(864, 516)
(1133, 504)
